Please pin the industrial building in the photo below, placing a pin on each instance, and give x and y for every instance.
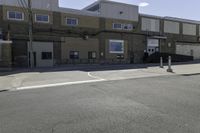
(104, 32)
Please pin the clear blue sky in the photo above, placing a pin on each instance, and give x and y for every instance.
(189, 9)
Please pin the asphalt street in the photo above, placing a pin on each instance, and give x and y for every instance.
(164, 104)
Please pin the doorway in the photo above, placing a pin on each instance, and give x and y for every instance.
(152, 46)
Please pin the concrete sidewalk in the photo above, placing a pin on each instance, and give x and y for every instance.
(80, 74)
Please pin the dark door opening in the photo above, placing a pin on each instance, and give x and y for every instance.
(34, 59)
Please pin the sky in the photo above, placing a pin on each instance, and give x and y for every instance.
(188, 9)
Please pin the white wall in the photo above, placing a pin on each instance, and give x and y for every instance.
(37, 4)
(40, 47)
(188, 49)
(112, 10)
(189, 29)
(150, 24)
(171, 27)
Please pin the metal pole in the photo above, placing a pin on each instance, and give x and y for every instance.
(30, 32)
(169, 64)
(161, 62)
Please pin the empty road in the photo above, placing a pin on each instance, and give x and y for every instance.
(163, 104)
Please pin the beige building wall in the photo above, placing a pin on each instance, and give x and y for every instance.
(149, 24)
(112, 10)
(188, 49)
(6, 55)
(189, 29)
(37, 4)
(78, 44)
(83, 21)
(171, 27)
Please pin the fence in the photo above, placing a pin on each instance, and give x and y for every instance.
(98, 61)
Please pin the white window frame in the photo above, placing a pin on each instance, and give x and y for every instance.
(8, 16)
(117, 28)
(77, 21)
(38, 21)
(117, 52)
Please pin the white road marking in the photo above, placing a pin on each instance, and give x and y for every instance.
(95, 79)
(90, 75)
(58, 84)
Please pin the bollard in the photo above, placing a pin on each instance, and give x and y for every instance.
(169, 64)
(161, 62)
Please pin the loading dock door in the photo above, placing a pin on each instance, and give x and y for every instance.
(43, 54)
(152, 46)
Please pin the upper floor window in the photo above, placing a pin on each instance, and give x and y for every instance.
(72, 21)
(117, 26)
(122, 26)
(15, 15)
(128, 27)
(42, 18)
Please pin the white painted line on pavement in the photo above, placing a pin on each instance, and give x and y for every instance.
(90, 75)
(58, 84)
(97, 79)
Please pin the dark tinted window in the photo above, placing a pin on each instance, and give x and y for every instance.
(74, 55)
(46, 55)
(92, 55)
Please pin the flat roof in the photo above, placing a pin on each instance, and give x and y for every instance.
(171, 18)
(106, 1)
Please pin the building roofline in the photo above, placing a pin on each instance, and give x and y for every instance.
(181, 20)
(91, 5)
(106, 1)
(77, 12)
(151, 16)
(171, 18)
